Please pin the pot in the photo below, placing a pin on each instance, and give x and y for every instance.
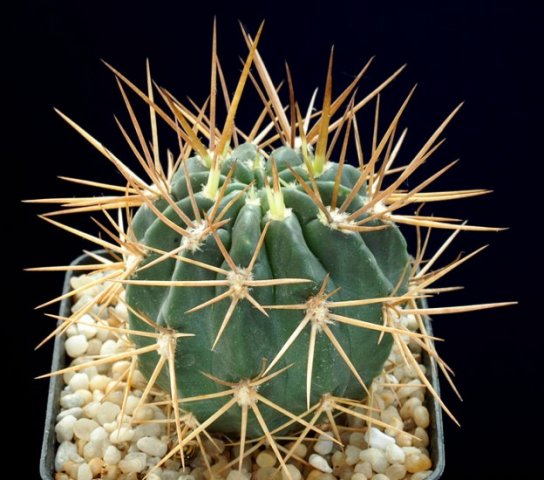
(47, 460)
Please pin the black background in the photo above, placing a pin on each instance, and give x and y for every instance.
(485, 53)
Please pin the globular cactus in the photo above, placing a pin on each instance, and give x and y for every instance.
(268, 287)
(266, 279)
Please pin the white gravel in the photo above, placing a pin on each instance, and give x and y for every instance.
(152, 446)
(317, 461)
(378, 439)
(76, 345)
(95, 442)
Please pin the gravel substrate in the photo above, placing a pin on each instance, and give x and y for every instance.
(95, 442)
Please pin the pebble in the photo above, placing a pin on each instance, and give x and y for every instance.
(389, 414)
(143, 413)
(91, 450)
(395, 454)
(301, 450)
(417, 462)
(121, 310)
(378, 439)
(90, 371)
(423, 438)
(79, 381)
(407, 410)
(265, 473)
(364, 468)
(75, 412)
(94, 346)
(107, 412)
(72, 400)
(122, 434)
(408, 390)
(96, 465)
(87, 326)
(403, 439)
(266, 459)
(102, 335)
(83, 300)
(338, 459)
(359, 476)
(65, 429)
(90, 409)
(317, 461)
(169, 475)
(314, 475)
(116, 396)
(421, 475)
(71, 468)
(99, 382)
(109, 347)
(76, 346)
(119, 368)
(358, 439)
(294, 473)
(132, 403)
(395, 472)
(71, 331)
(67, 376)
(83, 428)
(112, 455)
(421, 416)
(376, 458)
(138, 380)
(356, 422)
(410, 450)
(397, 425)
(323, 447)
(236, 475)
(65, 452)
(84, 472)
(99, 435)
(133, 463)
(352, 454)
(388, 396)
(149, 430)
(85, 395)
(380, 476)
(152, 446)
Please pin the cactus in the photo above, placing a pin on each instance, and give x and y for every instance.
(265, 279)
(278, 249)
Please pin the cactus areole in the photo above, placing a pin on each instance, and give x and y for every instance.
(255, 278)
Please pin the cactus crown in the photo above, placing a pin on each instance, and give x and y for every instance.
(265, 276)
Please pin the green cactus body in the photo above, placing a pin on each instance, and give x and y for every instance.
(359, 265)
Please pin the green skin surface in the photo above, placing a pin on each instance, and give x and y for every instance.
(362, 265)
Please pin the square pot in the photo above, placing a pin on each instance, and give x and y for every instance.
(47, 460)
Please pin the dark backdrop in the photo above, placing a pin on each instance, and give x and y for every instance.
(481, 52)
